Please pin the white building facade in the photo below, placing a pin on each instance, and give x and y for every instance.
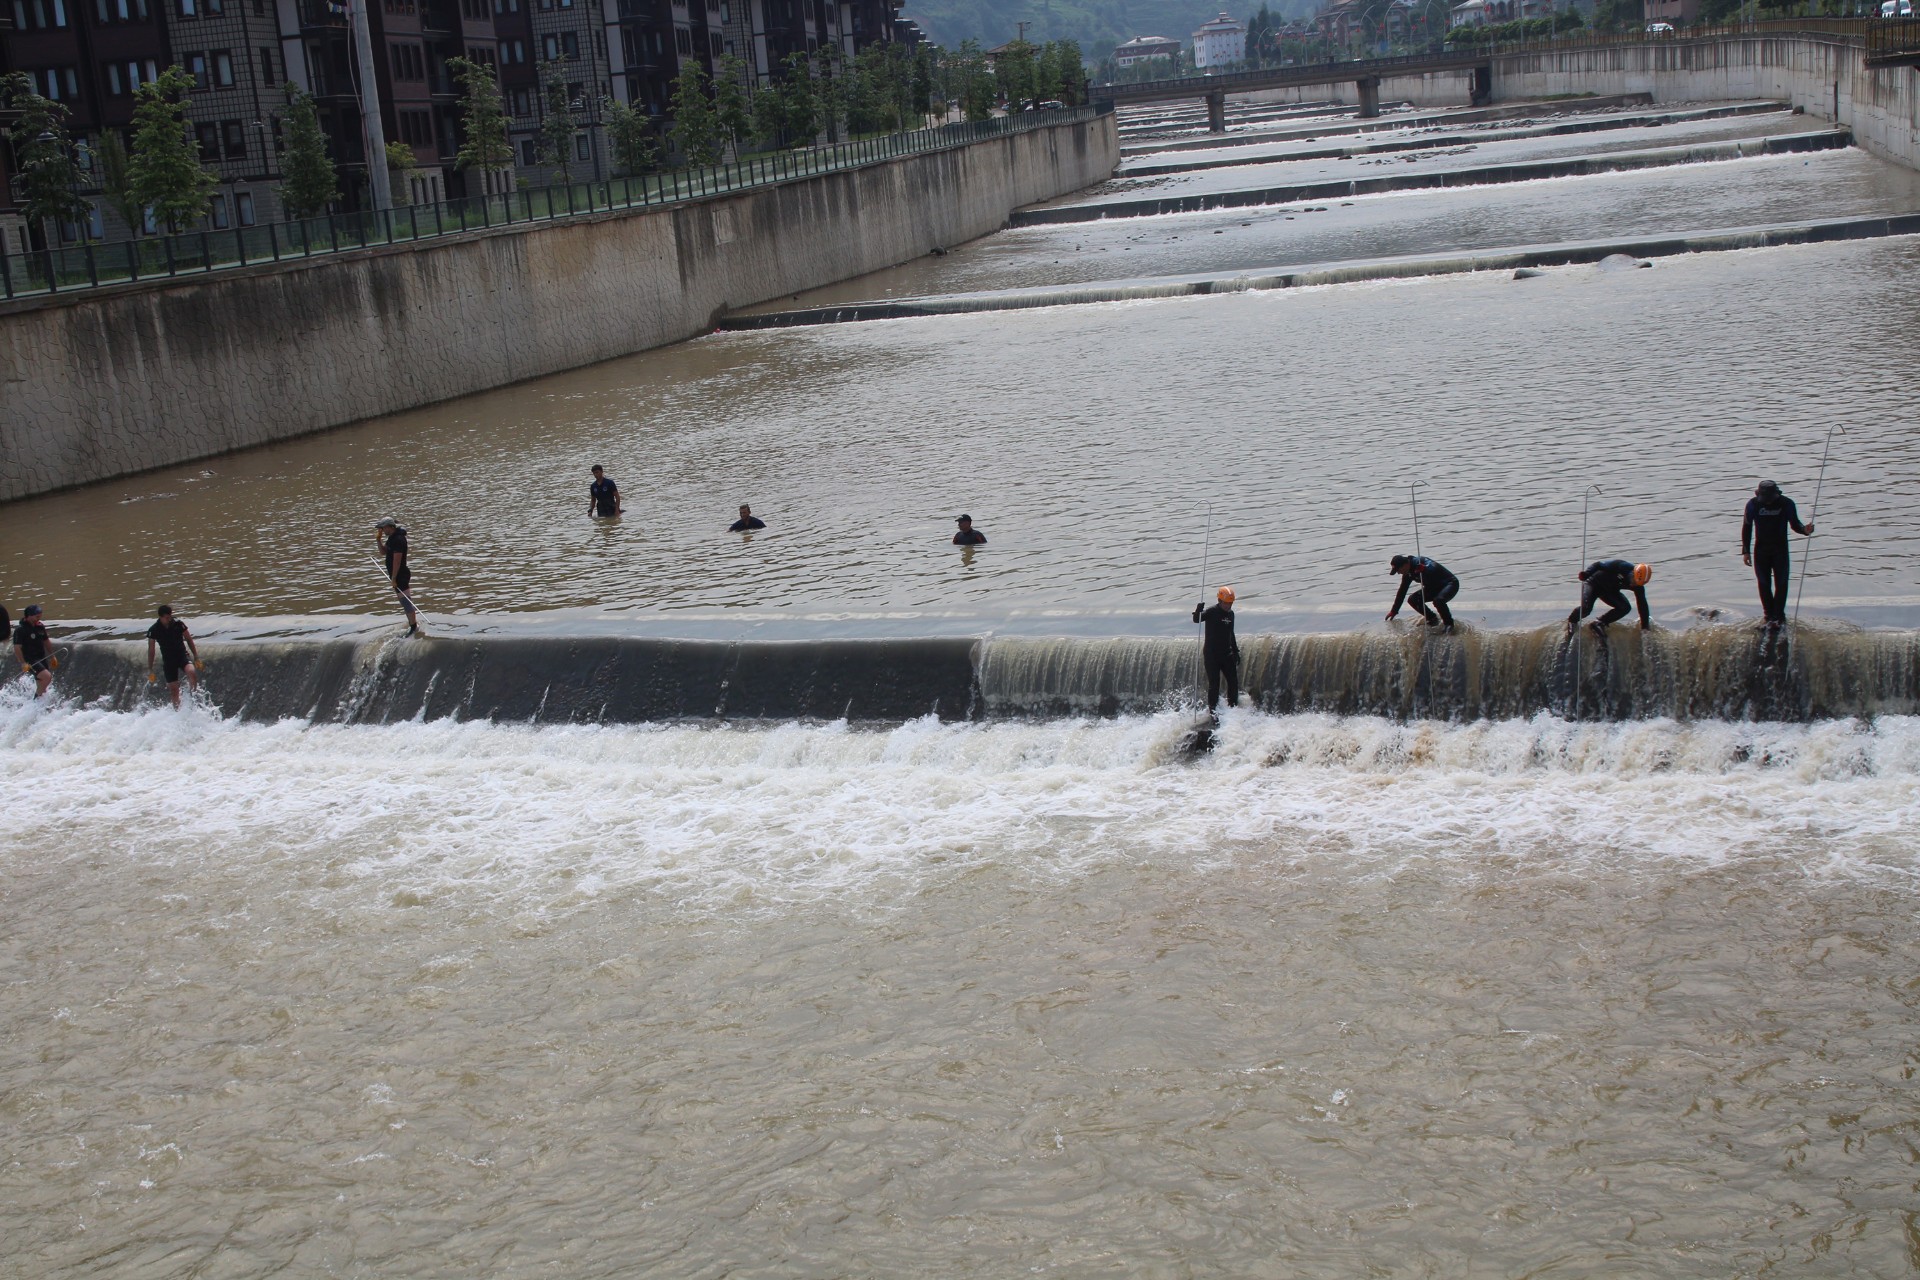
(1220, 43)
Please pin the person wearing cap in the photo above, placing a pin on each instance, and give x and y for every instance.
(1220, 650)
(34, 650)
(747, 522)
(1763, 546)
(171, 637)
(391, 537)
(603, 496)
(1605, 580)
(1437, 586)
(968, 536)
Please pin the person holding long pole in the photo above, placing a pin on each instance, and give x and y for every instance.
(1219, 650)
(1763, 547)
(391, 537)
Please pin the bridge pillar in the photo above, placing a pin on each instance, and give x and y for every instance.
(1369, 96)
(1217, 111)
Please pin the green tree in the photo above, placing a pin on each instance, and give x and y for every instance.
(974, 82)
(922, 85)
(483, 117)
(630, 136)
(732, 104)
(696, 128)
(1014, 70)
(553, 141)
(166, 172)
(310, 183)
(46, 172)
(1071, 68)
(116, 182)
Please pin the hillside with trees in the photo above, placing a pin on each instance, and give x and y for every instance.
(1098, 25)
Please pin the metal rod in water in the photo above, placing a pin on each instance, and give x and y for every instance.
(1413, 496)
(1813, 517)
(1579, 625)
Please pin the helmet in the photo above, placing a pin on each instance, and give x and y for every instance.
(1226, 595)
(1642, 574)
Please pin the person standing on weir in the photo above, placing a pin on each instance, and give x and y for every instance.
(171, 637)
(391, 538)
(1220, 650)
(1605, 580)
(1437, 586)
(34, 649)
(1763, 546)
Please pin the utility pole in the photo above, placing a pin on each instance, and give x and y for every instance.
(1021, 31)
(372, 136)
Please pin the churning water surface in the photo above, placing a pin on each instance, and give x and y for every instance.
(401, 989)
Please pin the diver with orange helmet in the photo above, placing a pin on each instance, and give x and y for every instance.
(1605, 580)
(1437, 586)
(1220, 649)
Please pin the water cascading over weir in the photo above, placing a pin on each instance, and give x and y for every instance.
(1708, 672)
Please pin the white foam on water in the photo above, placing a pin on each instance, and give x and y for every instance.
(547, 818)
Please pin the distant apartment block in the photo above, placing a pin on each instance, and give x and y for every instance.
(1145, 49)
(1221, 42)
(91, 55)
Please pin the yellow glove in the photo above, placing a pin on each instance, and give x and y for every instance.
(53, 664)
(149, 677)
(202, 664)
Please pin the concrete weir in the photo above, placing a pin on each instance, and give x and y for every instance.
(121, 379)
(1527, 171)
(1524, 257)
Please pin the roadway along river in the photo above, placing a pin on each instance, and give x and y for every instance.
(333, 992)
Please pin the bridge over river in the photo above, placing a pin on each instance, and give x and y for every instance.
(1366, 73)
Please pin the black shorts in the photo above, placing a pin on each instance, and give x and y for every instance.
(403, 579)
(173, 669)
(44, 663)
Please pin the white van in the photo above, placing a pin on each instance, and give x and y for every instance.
(1666, 28)
(1897, 9)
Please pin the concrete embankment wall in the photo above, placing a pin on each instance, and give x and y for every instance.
(120, 380)
(1825, 76)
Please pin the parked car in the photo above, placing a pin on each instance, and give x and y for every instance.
(1897, 9)
(1666, 28)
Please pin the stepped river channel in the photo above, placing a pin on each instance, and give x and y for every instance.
(836, 901)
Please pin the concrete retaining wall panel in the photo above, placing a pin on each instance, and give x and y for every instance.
(126, 379)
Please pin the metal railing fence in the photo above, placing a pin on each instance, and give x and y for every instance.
(90, 266)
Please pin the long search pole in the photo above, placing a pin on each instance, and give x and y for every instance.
(1413, 496)
(1206, 549)
(1813, 518)
(1585, 503)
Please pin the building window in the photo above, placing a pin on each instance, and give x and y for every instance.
(209, 137)
(223, 67)
(526, 152)
(31, 15)
(217, 213)
(683, 40)
(243, 205)
(197, 68)
(579, 146)
(266, 65)
(189, 8)
(523, 102)
(60, 83)
(570, 43)
(234, 135)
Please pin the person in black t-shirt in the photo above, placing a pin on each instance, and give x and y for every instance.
(968, 536)
(34, 649)
(747, 522)
(171, 637)
(1220, 650)
(603, 496)
(391, 538)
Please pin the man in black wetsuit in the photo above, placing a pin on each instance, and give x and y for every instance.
(173, 639)
(968, 536)
(603, 496)
(391, 538)
(747, 522)
(1220, 649)
(34, 649)
(1437, 586)
(1605, 580)
(1763, 545)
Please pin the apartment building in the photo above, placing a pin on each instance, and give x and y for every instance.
(91, 55)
